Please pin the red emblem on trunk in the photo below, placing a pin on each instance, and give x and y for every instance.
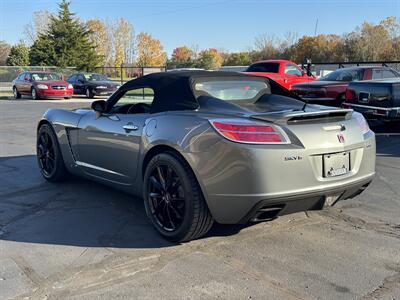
(341, 138)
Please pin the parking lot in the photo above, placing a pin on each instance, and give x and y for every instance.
(81, 239)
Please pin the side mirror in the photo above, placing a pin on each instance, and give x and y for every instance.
(27, 79)
(99, 106)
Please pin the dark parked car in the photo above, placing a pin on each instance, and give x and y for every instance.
(330, 89)
(377, 98)
(41, 85)
(92, 85)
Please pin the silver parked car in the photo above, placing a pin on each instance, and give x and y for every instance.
(202, 146)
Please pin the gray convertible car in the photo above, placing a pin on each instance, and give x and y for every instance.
(201, 146)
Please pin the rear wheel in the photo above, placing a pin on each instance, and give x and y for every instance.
(16, 94)
(173, 200)
(34, 94)
(340, 99)
(49, 156)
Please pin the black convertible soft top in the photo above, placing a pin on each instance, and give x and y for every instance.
(173, 90)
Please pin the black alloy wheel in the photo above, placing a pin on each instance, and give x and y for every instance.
(167, 197)
(49, 156)
(173, 199)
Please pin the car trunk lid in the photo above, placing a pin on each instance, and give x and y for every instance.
(320, 131)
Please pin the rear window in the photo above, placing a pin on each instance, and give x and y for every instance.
(230, 90)
(344, 75)
(384, 73)
(264, 67)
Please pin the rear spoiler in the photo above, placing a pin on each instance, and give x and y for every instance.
(301, 117)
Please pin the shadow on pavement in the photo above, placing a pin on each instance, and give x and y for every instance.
(76, 213)
(387, 137)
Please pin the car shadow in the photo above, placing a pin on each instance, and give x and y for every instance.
(387, 137)
(77, 212)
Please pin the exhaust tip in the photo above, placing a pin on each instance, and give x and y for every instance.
(267, 213)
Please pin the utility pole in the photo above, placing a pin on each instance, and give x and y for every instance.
(316, 27)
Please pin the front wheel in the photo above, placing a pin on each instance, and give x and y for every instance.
(49, 156)
(173, 200)
(34, 94)
(16, 94)
(89, 93)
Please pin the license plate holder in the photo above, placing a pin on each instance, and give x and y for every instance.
(336, 164)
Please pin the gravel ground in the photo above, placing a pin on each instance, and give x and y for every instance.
(83, 240)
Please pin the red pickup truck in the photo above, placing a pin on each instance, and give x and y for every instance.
(284, 72)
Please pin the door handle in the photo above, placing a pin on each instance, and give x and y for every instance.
(130, 127)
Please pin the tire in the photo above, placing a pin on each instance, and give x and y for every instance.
(17, 95)
(181, 197)
(89, 93)
(34, 94)
(67, 98)
(340, 99)
(49, 156)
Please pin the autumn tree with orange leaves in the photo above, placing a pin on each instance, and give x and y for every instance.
(150, 51)
(182, 57)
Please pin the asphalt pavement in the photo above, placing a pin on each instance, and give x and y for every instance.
(80, 239)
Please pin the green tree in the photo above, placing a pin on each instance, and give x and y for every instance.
(19, 56)
(238, 59)
(65, 43)
(182, 57)
(209, 59)
(320, 48)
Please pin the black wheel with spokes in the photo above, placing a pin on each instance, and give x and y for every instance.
(49, 156)
(173, 199)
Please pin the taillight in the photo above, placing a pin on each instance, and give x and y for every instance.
(350, 95)
(361, 122)
(246, 131)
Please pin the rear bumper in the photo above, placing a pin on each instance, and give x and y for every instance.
(270, 208)
(236, 178)
(380, 112)
(232, 209)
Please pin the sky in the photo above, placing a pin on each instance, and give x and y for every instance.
(227, 24)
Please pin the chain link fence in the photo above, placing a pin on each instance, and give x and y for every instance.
(120, 74)
(123, 74)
